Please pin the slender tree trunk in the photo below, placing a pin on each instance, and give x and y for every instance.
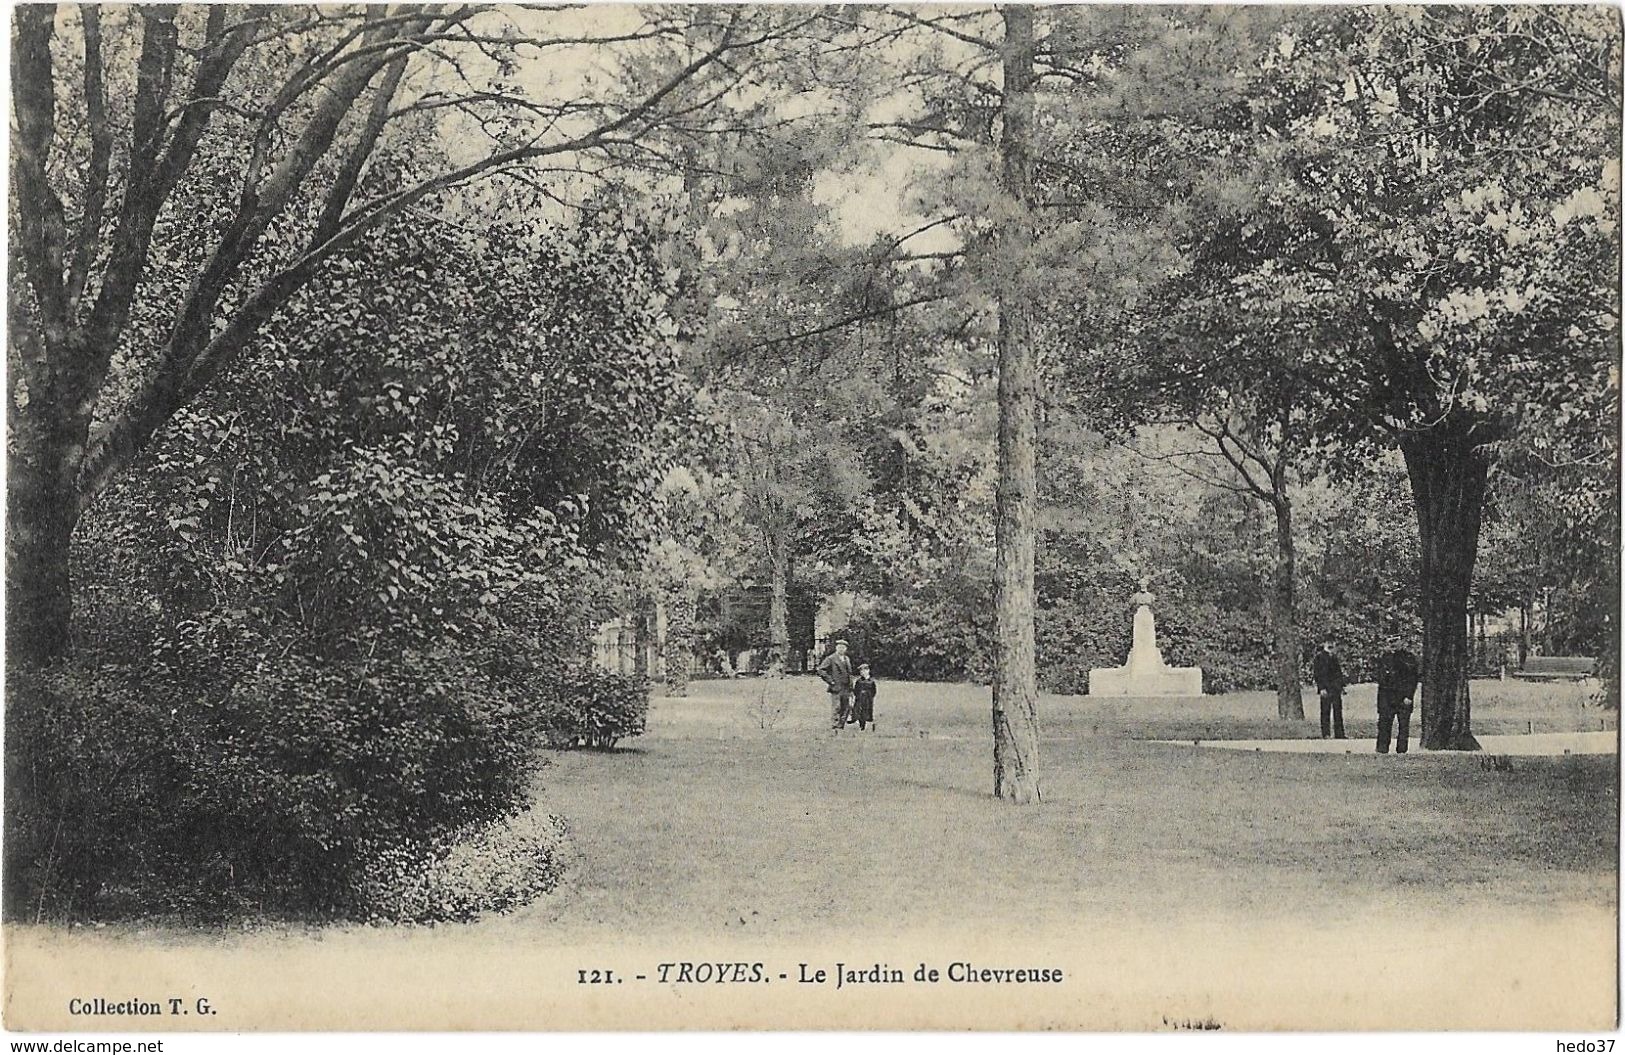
(642, 637)
(1523, 632)
(1284, 615)
(1448, 473)
(778, 605)
(1607, 667)
(679, 642)
(1015, 673)
(1608, 663)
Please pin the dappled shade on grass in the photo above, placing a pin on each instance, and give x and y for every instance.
(717, 825)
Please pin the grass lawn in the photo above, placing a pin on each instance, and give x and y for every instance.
(1173, 884)
(712, 824)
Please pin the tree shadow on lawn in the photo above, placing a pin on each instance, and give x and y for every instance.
(716, 829)
(601, 752)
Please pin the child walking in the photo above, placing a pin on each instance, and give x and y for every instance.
(863, 698)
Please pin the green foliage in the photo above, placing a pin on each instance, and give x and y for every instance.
(583, 706)
(1076, 633)
(263, 787)
(1371, 226)
(311, 620)
(389, 461)
(1113, 517)
(939, 633)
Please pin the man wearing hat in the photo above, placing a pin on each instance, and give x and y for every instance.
(836, 670)
(1397, 677)
(1329, 683)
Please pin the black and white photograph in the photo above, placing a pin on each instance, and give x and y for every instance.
(823, 517)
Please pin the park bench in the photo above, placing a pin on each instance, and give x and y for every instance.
(1556, 668)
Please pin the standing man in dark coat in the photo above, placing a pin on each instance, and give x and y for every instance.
(1397, 677)
(1329, 683)
(836, 670)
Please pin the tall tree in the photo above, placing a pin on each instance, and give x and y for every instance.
(1015, 673)
(1254, 458)
(972, 81)
(1421, 205)
(1456, 204)
(160, 218)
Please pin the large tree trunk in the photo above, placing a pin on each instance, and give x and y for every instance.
(1448, 473)
(778, 605)
(42, 507)
(1015, 673)
(1284, 615)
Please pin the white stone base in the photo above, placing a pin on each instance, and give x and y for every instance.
(1169, 681)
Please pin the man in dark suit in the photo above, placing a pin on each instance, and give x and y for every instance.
(1397, 677)
(1329, 683)
(836, 670)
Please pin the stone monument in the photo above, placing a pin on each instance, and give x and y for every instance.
(1145, 674)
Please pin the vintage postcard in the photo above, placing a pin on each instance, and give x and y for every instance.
(812, 517)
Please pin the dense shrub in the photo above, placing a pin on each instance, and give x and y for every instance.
(1074, 634)
(92, 766)
(1233, 647)
(925, 636)
(580, 705)
(309, 620)
(156, 789)
(1359, 634)
(1072, 637)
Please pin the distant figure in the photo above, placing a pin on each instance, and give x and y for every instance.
(1397, 677)
(1329, 683)
(724, 667)
(863, 698)
(836, 670)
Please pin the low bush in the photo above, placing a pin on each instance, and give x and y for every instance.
(579, 705)
(93, 767)
(769, 702)
(493, 868)
(1081, 628)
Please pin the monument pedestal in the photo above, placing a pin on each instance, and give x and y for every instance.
(1145, 674)
(1123, 681)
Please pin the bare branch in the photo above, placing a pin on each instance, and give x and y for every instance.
(940, 25)
(39, 213)
(848, 320)
(338, 198)
(88, 240)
